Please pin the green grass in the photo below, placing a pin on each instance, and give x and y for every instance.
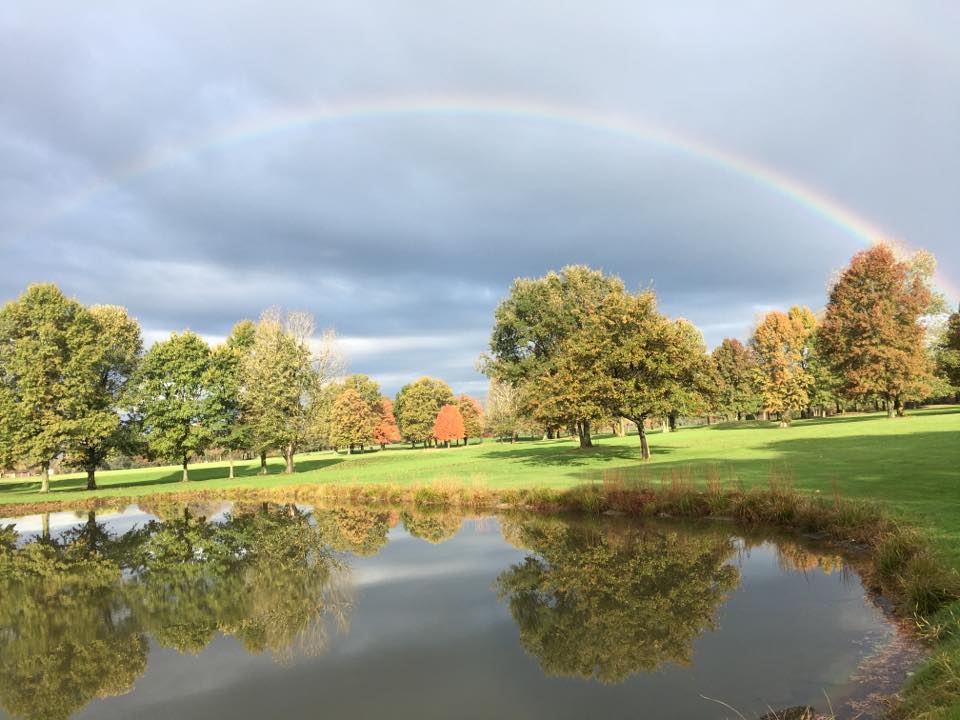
(910, 463)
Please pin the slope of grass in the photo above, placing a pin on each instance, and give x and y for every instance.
(911, 463)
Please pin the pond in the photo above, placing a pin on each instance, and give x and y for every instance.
(213, 610)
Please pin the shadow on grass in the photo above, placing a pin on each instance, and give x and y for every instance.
(573, 456)
(198, 474)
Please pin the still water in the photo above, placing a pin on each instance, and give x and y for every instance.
(264, 611)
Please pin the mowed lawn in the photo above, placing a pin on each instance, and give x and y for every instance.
(911, 463)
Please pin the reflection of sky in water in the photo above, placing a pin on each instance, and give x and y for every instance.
(428, 638)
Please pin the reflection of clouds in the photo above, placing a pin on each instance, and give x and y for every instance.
(395, 572)
(59, 522)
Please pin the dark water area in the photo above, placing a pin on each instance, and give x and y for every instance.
(264, 611)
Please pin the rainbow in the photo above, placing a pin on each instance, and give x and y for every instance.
(299, 118)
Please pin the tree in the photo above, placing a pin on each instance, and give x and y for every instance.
(947, 351)
(448, 425)
(281, 375)
(228, 420)
(736, 368)
(536, 345)
(386, 431)
(608, 602)
(49, 372)
(639, 357)
(417, 406)
(872, 331)
(780, 344)
(115, 357)
(353, 423)
(172, 400)
(472, 415)
(690, 381)
(502, 419)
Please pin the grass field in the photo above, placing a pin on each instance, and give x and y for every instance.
(911, 463)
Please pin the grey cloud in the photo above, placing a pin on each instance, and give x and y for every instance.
(398, 227)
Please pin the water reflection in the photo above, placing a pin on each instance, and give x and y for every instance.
(610, 600)
(602, 598)
(76, 610)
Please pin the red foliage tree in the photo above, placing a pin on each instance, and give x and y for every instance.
(448, 425)
(387, 431)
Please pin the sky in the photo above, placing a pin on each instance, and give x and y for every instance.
(391, 166)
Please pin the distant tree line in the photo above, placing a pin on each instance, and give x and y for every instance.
(570, 352)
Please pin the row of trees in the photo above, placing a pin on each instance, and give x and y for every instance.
(574, 349)
(77, 386)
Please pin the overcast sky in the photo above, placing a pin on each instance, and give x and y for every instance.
(403, 229)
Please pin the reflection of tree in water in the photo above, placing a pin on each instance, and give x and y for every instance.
(65, 635)
(357, 530)
(76, 611)
(611, 600)
(434, 526)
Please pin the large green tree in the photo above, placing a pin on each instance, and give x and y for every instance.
(417, 406)
(172, 400)
(115, 357)
(873, 332)
(50, 365)
(947, 351)
(537, 345)
(282, 374)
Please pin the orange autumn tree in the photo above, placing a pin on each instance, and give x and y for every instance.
(448, 425)
(386, 431)
(472, 415)
(873, 332)
(781, 346)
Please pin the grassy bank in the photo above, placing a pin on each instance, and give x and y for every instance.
(911, 463)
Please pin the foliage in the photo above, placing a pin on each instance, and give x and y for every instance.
(781, 344)
(171, 398)
(386, 431)
(229, 424)
(472, 415)
(609, 602)
(872, 330)
(352, 420)
(448, 425)
(51, 368)
(947, 351)
(417, 406)
(538, 346)
(737, 392)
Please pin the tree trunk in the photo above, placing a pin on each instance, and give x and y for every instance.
(644, 445)
(263, 462)
(898, 406)
(889, 408)
(583, 430)
(739, 417)
(45, 477)
(45, 525)
(288, 454)
(672, 419)
(231, 465)
(186, 476)
(91, 478)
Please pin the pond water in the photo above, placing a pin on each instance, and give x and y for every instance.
(219, 611)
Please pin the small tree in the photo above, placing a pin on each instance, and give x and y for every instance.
(448, 425)
(781, 343)
(171, 398)
(472, 415)
(736, 368)
(417, 406)
(503, 419)
(352, 421)
(386, 431)
(947, 351)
